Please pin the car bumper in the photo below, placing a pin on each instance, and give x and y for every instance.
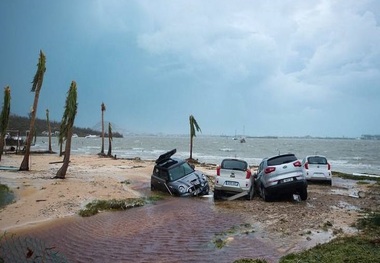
(198, 191)
(231, 189)
(286, 188)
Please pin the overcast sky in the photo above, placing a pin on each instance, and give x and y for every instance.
(283, 68)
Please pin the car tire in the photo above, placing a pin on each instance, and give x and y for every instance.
(216, 195)
(303, 194)
(152, 188)
(264, 194)
(251, 193)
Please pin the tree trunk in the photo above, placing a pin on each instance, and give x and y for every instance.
(191, 147)
(25, 162)
(109, 146)
(102, 150)
(61, 174)
(2, 140)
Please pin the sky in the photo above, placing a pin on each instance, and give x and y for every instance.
(256, 68)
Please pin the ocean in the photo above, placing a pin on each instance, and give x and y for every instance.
(344, 155)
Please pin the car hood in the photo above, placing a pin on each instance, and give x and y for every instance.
(194, 178)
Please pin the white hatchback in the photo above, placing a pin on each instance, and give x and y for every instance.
(233, 176)
(317, 168)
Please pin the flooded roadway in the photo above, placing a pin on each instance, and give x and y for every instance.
(171, 230)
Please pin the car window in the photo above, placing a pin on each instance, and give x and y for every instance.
(317, 160)
(161, 173)
(234, 165)
(180, 171)
(277, 160)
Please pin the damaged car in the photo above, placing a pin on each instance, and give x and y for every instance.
(177, 177)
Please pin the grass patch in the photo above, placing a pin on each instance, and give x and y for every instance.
(6, 195)
(345, 249)
(364, 247)
(103, 205)
(355, 177)
(247, 260)
(115, 205)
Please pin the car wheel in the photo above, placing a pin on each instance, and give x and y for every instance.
(303, 194)
(216, 194)
(264, 194)
(251, 193)
(152, 188)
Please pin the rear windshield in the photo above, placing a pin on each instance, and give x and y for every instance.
(234, 165)
(281, 159)
(317, 160)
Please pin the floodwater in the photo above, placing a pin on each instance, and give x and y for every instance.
(170, 230)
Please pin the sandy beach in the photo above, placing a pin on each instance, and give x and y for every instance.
(40, 198)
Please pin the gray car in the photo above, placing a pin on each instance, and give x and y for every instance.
(280, 175)
(177, 177)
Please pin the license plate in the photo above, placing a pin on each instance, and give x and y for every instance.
(231, 183)
(287, 180)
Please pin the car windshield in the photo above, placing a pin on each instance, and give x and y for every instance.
(180, 171)
(281, 159)
(317, 160)
(234, 165)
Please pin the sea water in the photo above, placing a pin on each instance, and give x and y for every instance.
(344, 155)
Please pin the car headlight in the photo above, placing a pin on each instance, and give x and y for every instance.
(181, 189)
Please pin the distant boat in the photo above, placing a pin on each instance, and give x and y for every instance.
(242, 140)
(91, 136)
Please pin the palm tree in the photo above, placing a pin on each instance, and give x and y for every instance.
(66, 128)
(109, 140)
(193, 126)
(49, 130)
(4, 117)
(103, 109)
(36, 87)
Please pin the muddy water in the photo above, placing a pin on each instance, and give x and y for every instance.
(172, 230)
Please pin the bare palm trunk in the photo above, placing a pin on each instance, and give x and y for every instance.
(36, 87)
(191, 147)
(49, 130)
(25, 162)
(61, 174)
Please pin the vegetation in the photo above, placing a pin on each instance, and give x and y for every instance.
(66, 129)
(36, 88)
(355, 177)
(193, 126)
(21, 123)
(103, 109)
(4, 117)
(49, 130)
(109, 153)
(103, 205)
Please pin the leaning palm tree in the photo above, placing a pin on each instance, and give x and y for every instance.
(4, 117)
(66, 128)
(109, 140)
(193, 126)
(49, 130)
(36, 87)
(103, 109)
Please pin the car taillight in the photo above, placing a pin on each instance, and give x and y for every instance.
(328, 166)
(268, 170)
(248, 174)
(297, 164)
(306, 165)
(218, 171)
